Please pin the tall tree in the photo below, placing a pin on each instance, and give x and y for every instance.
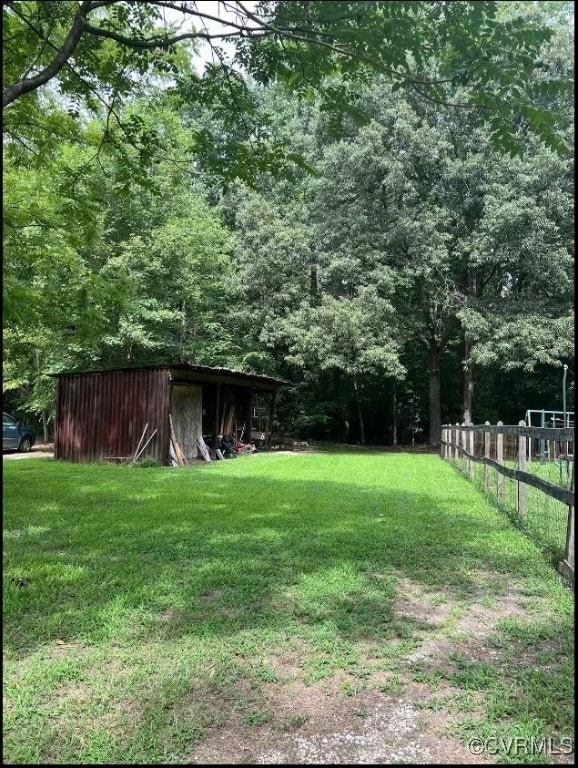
(101, 270)
(352, 336)
(419, 200)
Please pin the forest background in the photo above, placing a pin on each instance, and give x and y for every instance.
(373, 201)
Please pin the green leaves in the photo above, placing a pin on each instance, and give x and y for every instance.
(124, 50)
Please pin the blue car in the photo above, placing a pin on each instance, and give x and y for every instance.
(16, 436)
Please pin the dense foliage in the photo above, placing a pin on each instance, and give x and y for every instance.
(327, 213)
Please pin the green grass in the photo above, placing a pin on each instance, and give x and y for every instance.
(144, 607)
(546, 518)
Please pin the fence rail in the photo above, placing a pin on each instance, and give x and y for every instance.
(504, 453)
(561, 434)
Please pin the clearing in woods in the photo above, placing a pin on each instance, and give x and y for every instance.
(320, 608)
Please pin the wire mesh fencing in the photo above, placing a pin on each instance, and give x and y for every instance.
(528, 471)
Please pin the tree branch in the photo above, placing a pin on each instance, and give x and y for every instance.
(153, 42)
(282, 32)
(27, 84)
(24, 144)
(42, 47)
(463, 105)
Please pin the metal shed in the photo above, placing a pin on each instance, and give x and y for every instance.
(102, 414)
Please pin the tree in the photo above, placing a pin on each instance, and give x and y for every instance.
(418, 206)
(100, 271)
(469, 245)
(395, 234)
(94, 55)
(54, 302)
(173, 285)
(354, 336)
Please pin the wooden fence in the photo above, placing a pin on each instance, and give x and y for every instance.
(504, 452)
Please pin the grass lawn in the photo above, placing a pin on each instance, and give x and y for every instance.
(224, 611)
(546, 519)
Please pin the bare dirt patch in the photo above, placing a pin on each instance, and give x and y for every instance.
(314, 726)
(320, 723)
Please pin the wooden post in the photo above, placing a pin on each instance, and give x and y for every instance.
(270, 419)
(394, 413)
(566, 567)
(542, 441)
(248, 417)
(464, 447)
(215, 435)
(487, 436)
(522, 467)
(500, 460)
(471, 464)
(457, 453)
(444, 445)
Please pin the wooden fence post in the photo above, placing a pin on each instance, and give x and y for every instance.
(522, 467)
(471, 464)
(456, 443)
(464, 447)
(566, 567)
(444, 446)
(500, 460)
(487, 436)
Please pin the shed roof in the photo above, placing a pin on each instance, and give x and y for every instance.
(254, 379)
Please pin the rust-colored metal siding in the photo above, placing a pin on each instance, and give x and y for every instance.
(103, 414)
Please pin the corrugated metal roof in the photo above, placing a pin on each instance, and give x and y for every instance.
(186, 367)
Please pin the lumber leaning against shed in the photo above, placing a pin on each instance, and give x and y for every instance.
(142, 450)
(202, 446)
(135, 454)
(172, 455)
(179, 454)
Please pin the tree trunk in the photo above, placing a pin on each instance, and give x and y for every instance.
(313, 285)
(342, 432)
(394, 413)
(468, 378)
(359, 413)
(183, 331)
(435, 411)
(468, 382)
(345, 427)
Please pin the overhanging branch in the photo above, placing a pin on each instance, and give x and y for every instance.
(27, 84)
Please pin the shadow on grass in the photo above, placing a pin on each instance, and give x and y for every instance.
(133, 554)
